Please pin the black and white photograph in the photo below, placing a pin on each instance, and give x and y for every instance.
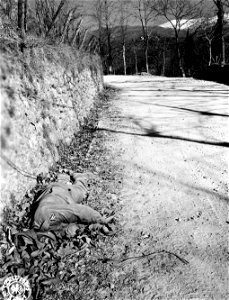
(114, 170)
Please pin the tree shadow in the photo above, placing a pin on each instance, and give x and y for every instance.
(201, 112)
(209, 91)
(170, 178)
(152, 132)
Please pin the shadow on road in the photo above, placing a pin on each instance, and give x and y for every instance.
(152, 132)
(201, 112)
(169, 178)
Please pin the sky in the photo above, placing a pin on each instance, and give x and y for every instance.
(87, 7)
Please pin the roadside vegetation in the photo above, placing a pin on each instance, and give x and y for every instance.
(52, 26)
(48, 34)
(126, 33)
(63, 264)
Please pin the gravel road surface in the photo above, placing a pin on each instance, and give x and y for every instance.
(171, 138)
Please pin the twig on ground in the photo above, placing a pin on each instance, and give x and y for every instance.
(106, 259)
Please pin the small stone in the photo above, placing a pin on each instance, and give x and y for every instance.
(199, 213)
(146, 236)
(112, 286)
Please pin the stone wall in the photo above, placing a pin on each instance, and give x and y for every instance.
(46, 94)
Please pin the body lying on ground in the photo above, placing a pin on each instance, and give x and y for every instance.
(60, 203)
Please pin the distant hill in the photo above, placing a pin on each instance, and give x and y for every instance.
(86, 7)
(158, 25)
(136, 31)
(193, 23)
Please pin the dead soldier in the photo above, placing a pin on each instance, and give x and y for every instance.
(60, 203)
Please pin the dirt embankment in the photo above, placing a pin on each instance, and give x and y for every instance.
(46, 95)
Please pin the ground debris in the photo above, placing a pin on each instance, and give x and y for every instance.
(62, 265)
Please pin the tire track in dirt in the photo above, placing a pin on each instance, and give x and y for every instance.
(174, 194)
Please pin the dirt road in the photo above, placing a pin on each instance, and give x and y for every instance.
(171, 137)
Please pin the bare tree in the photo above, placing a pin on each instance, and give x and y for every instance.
(208, 29)
(220, 28)
(178, 13)
(134, 45)
(144, 13)
(162, 46)
(123, 10)
(108, 12)
(60, 22)
(104, 14)
(97, 15)
(47, 14)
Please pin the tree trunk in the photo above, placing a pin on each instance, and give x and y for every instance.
(124, 57)
(110, 67)
(25, 15)
(164, 61)
(22, 22)
(180, 63)
(220, 26)
(179, 59)
(147, 63)
(164, 58)
(108, 37)
(223, 61)
(21, 17)
(210, 53)
(136, 60)
(146, 54)
(100, 39)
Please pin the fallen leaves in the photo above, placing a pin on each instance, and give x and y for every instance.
(63, 264)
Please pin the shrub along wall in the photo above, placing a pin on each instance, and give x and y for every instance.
(46, 94)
